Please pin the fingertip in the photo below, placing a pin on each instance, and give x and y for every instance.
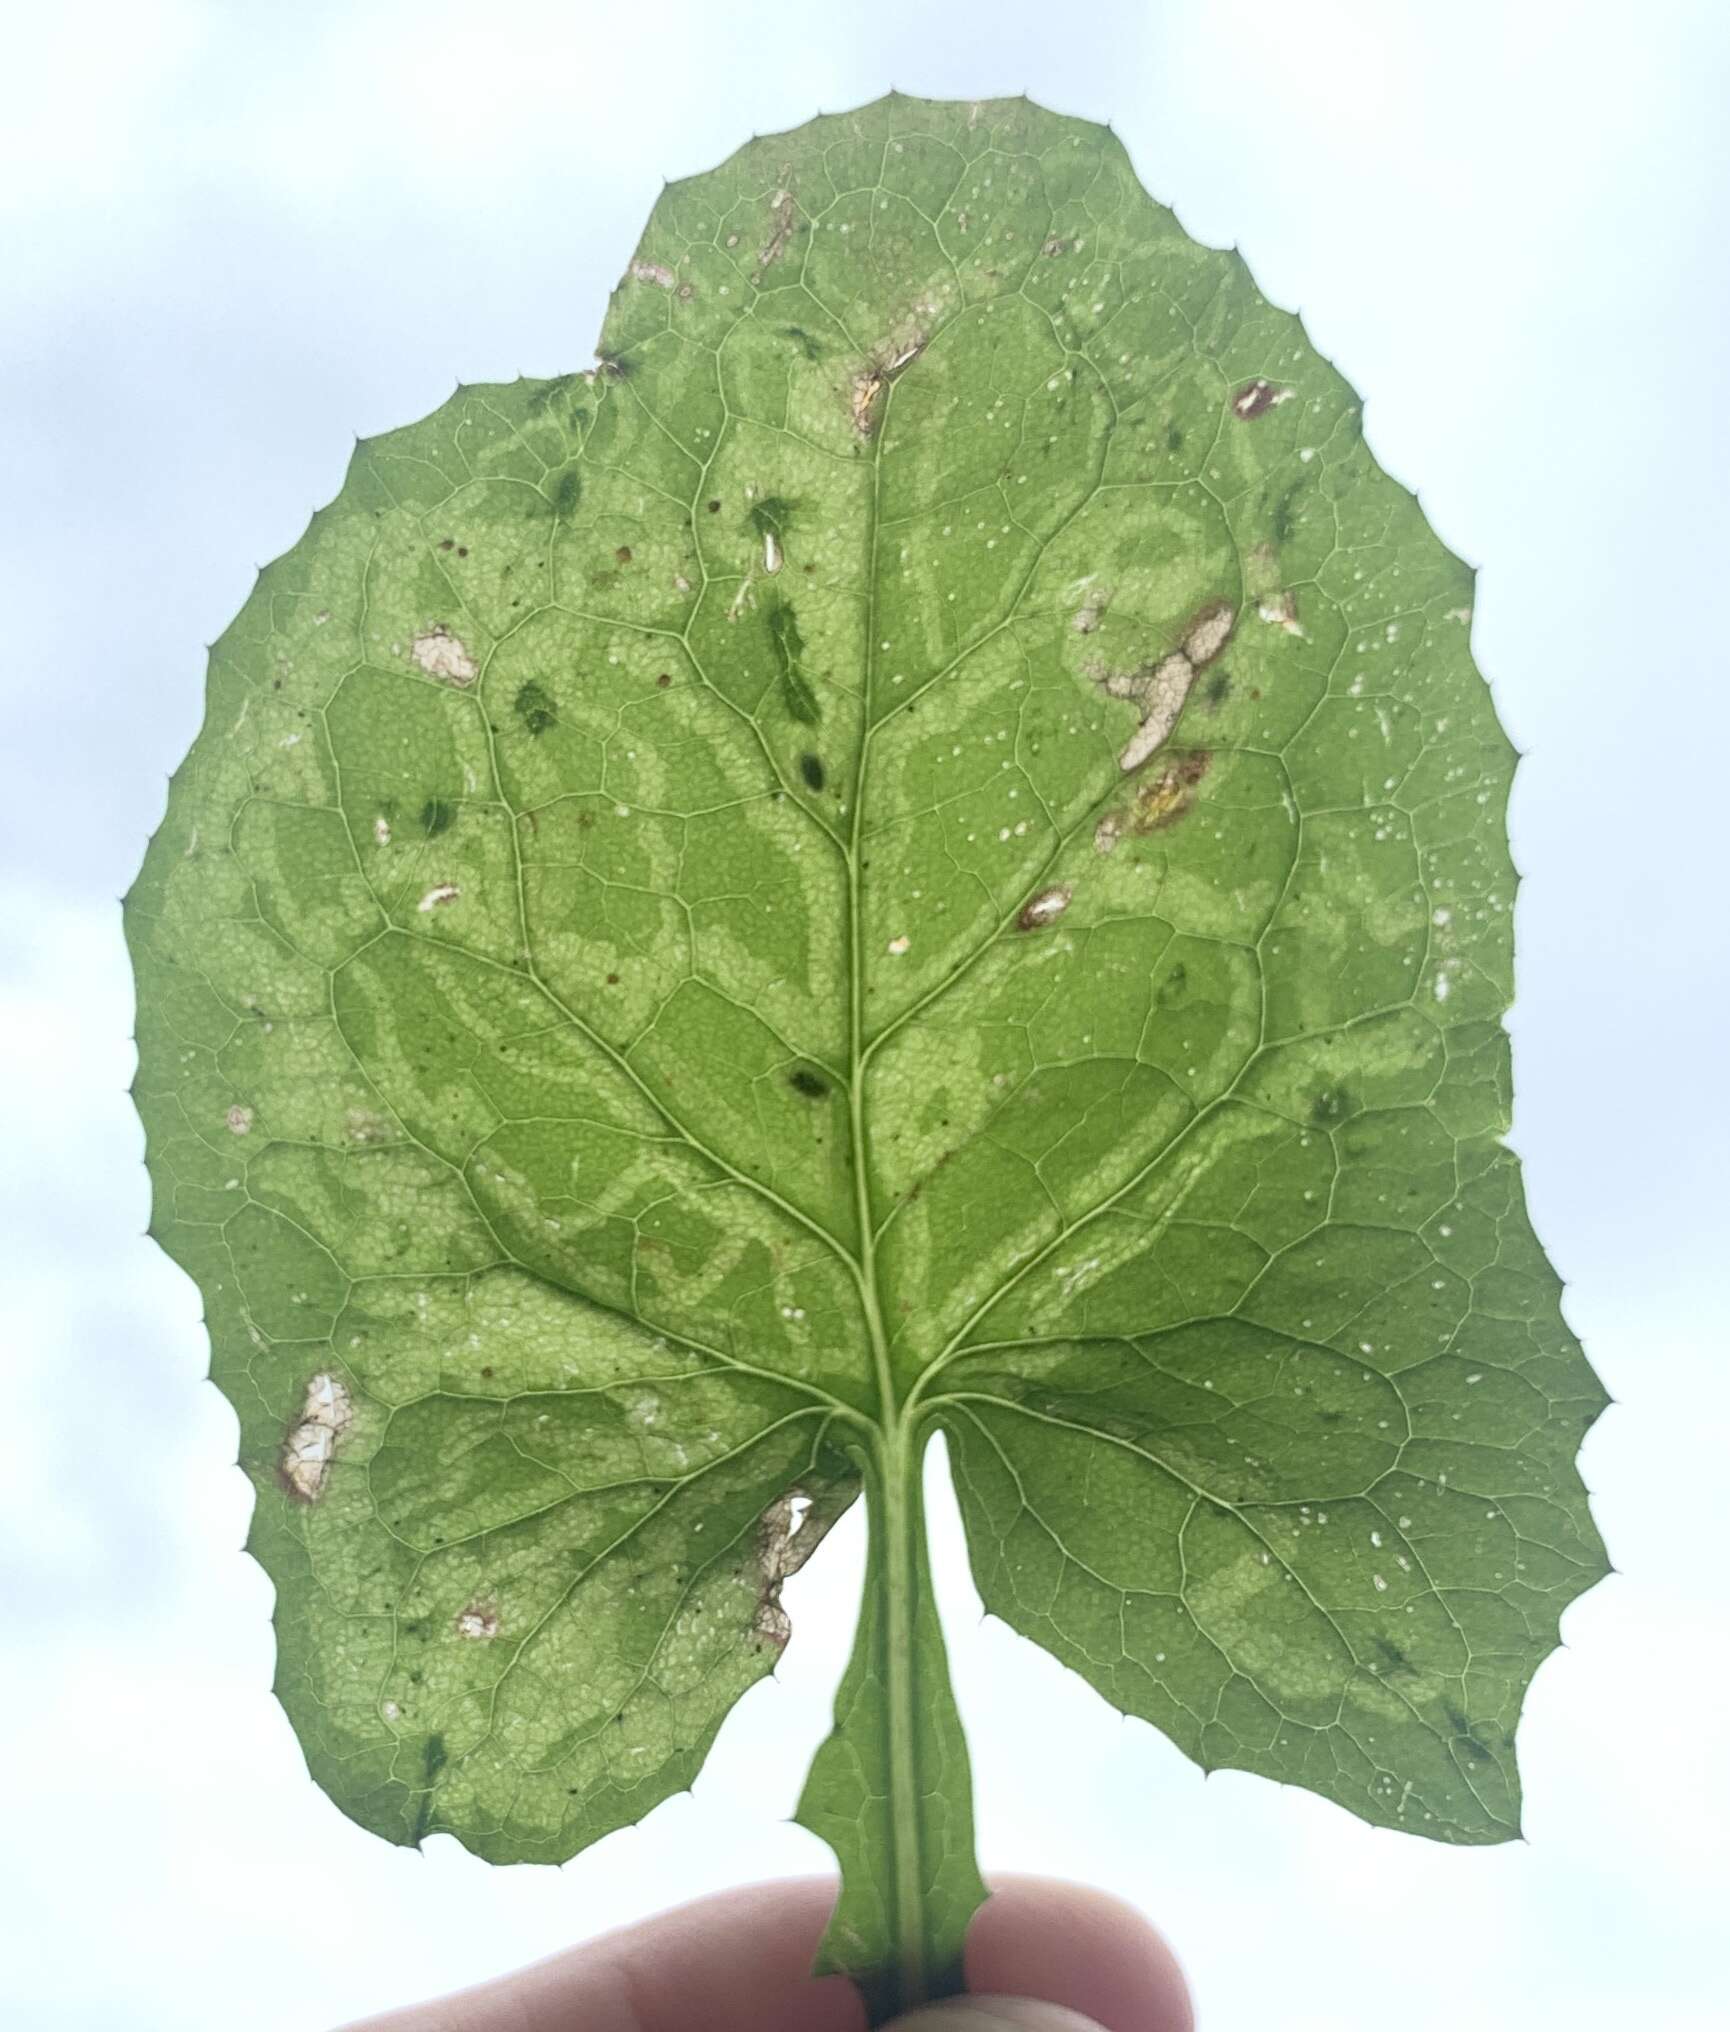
(1070, 1945)
(996, 2014)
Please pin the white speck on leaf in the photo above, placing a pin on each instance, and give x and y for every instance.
(239, 1120)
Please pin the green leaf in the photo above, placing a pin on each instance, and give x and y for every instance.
(921, 848)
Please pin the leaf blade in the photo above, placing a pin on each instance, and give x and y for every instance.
(922, 838)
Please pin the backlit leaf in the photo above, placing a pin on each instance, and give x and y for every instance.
(920, 848)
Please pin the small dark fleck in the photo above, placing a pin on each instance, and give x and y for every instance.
(462, 550)
(665, 679)
(449, 543)
(1173, 438)
(714, 507)
(487, 1369)
(623, 553)
(612, 980)
(811, 768)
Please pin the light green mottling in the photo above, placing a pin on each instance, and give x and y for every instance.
(597, 1069)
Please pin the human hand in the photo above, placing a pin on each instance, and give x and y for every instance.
(1042, 1956)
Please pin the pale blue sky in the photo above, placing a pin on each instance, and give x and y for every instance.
(233, 235)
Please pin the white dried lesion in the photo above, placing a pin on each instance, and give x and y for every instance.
(442, 655)
(310, 1445)
(1045, 908)
(1280, 611)
(783, 214)
(892, 357)
(1161, 688)
(478, 1622)
(783, 1546)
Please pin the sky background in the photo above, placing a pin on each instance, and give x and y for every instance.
(233, 235)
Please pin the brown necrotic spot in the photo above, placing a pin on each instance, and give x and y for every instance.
(783, 1545)
(1256, 398)
(1045, 908)
(1168, 795)
(782, 214)
(479, 1622)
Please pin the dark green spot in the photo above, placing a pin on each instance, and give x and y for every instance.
(770, 516)
(807, 1083)
(811, 768)
(437, 816)
(1464, 1734)
(533, 705)
(1284, 513)
(1332, 1104)
(567, 490)
(1174, 987)
(1218, 688)
(796, 693)
(803, 340)
(433, 1758)
(1173, 438)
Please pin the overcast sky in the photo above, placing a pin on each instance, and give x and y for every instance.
(232, 235)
